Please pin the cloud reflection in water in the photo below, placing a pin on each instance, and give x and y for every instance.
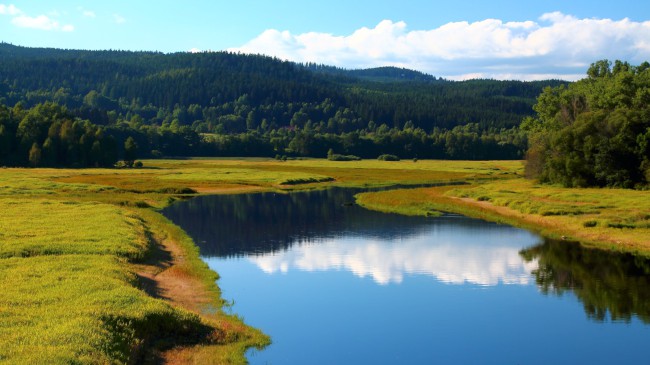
(449, 259)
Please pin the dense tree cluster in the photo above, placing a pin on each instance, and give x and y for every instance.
(595, 132)
(48, 135)
(220, 103)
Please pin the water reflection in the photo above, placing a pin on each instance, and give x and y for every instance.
(293, 263)
(431, 253)
(608, 284)
(236, 225)
(321, 231)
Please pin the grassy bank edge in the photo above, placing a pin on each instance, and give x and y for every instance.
(236, 336)
(422, 201)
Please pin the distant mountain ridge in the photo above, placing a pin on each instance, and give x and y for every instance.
(229, 104)
(152, 84)
(380, 74)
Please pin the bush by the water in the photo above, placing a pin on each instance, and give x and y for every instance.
(387, 157)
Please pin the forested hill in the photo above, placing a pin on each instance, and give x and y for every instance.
(225, 96)
(385, 74)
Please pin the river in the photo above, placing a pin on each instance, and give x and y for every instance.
(333, 283)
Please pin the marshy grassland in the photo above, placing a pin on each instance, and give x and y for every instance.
(92, 273)
(612, 219)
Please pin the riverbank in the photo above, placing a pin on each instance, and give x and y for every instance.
(91, 273)
(611, 219)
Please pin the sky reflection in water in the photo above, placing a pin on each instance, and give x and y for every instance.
(434, 252)
(334, 284)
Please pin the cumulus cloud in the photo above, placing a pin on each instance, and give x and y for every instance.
(9, 9)
(41, 22)
(555, 46)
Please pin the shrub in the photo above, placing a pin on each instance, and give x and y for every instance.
(387, 157)
(337, 157)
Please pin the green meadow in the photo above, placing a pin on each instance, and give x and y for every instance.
(71, 293)
(77, 245)
(613, 219)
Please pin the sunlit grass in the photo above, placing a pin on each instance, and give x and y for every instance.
(617, 219)
(348, 173)
(79, 309)
(50, 227)
(68, 293)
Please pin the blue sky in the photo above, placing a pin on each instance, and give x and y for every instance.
(455, 39)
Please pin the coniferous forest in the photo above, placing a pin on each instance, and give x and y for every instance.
(79, 108)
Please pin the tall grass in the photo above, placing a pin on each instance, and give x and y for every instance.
(80, 309)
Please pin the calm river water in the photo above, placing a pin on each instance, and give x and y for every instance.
(333, 283)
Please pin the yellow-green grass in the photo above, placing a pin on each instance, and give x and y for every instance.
(401, 201)
(50, 227)
(383, 173)
(82, 309)
(272, 173)
(161, 177)
(68, 292)
(614, 219)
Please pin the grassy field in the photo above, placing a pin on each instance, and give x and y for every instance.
(614, 219)
(71, 290)
(90, 271)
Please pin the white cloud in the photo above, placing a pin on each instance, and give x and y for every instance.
(41, 22)
(10, 9)
(557, 45)
(119, 19)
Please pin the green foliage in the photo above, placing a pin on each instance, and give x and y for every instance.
(68, 292)
(130, 151)
(224, 104)
(48, 135)
(339, 157)
(387, 157)
(595, 132)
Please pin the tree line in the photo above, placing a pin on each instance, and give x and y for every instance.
(595, 132)
(48, 135)
(220, 103)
